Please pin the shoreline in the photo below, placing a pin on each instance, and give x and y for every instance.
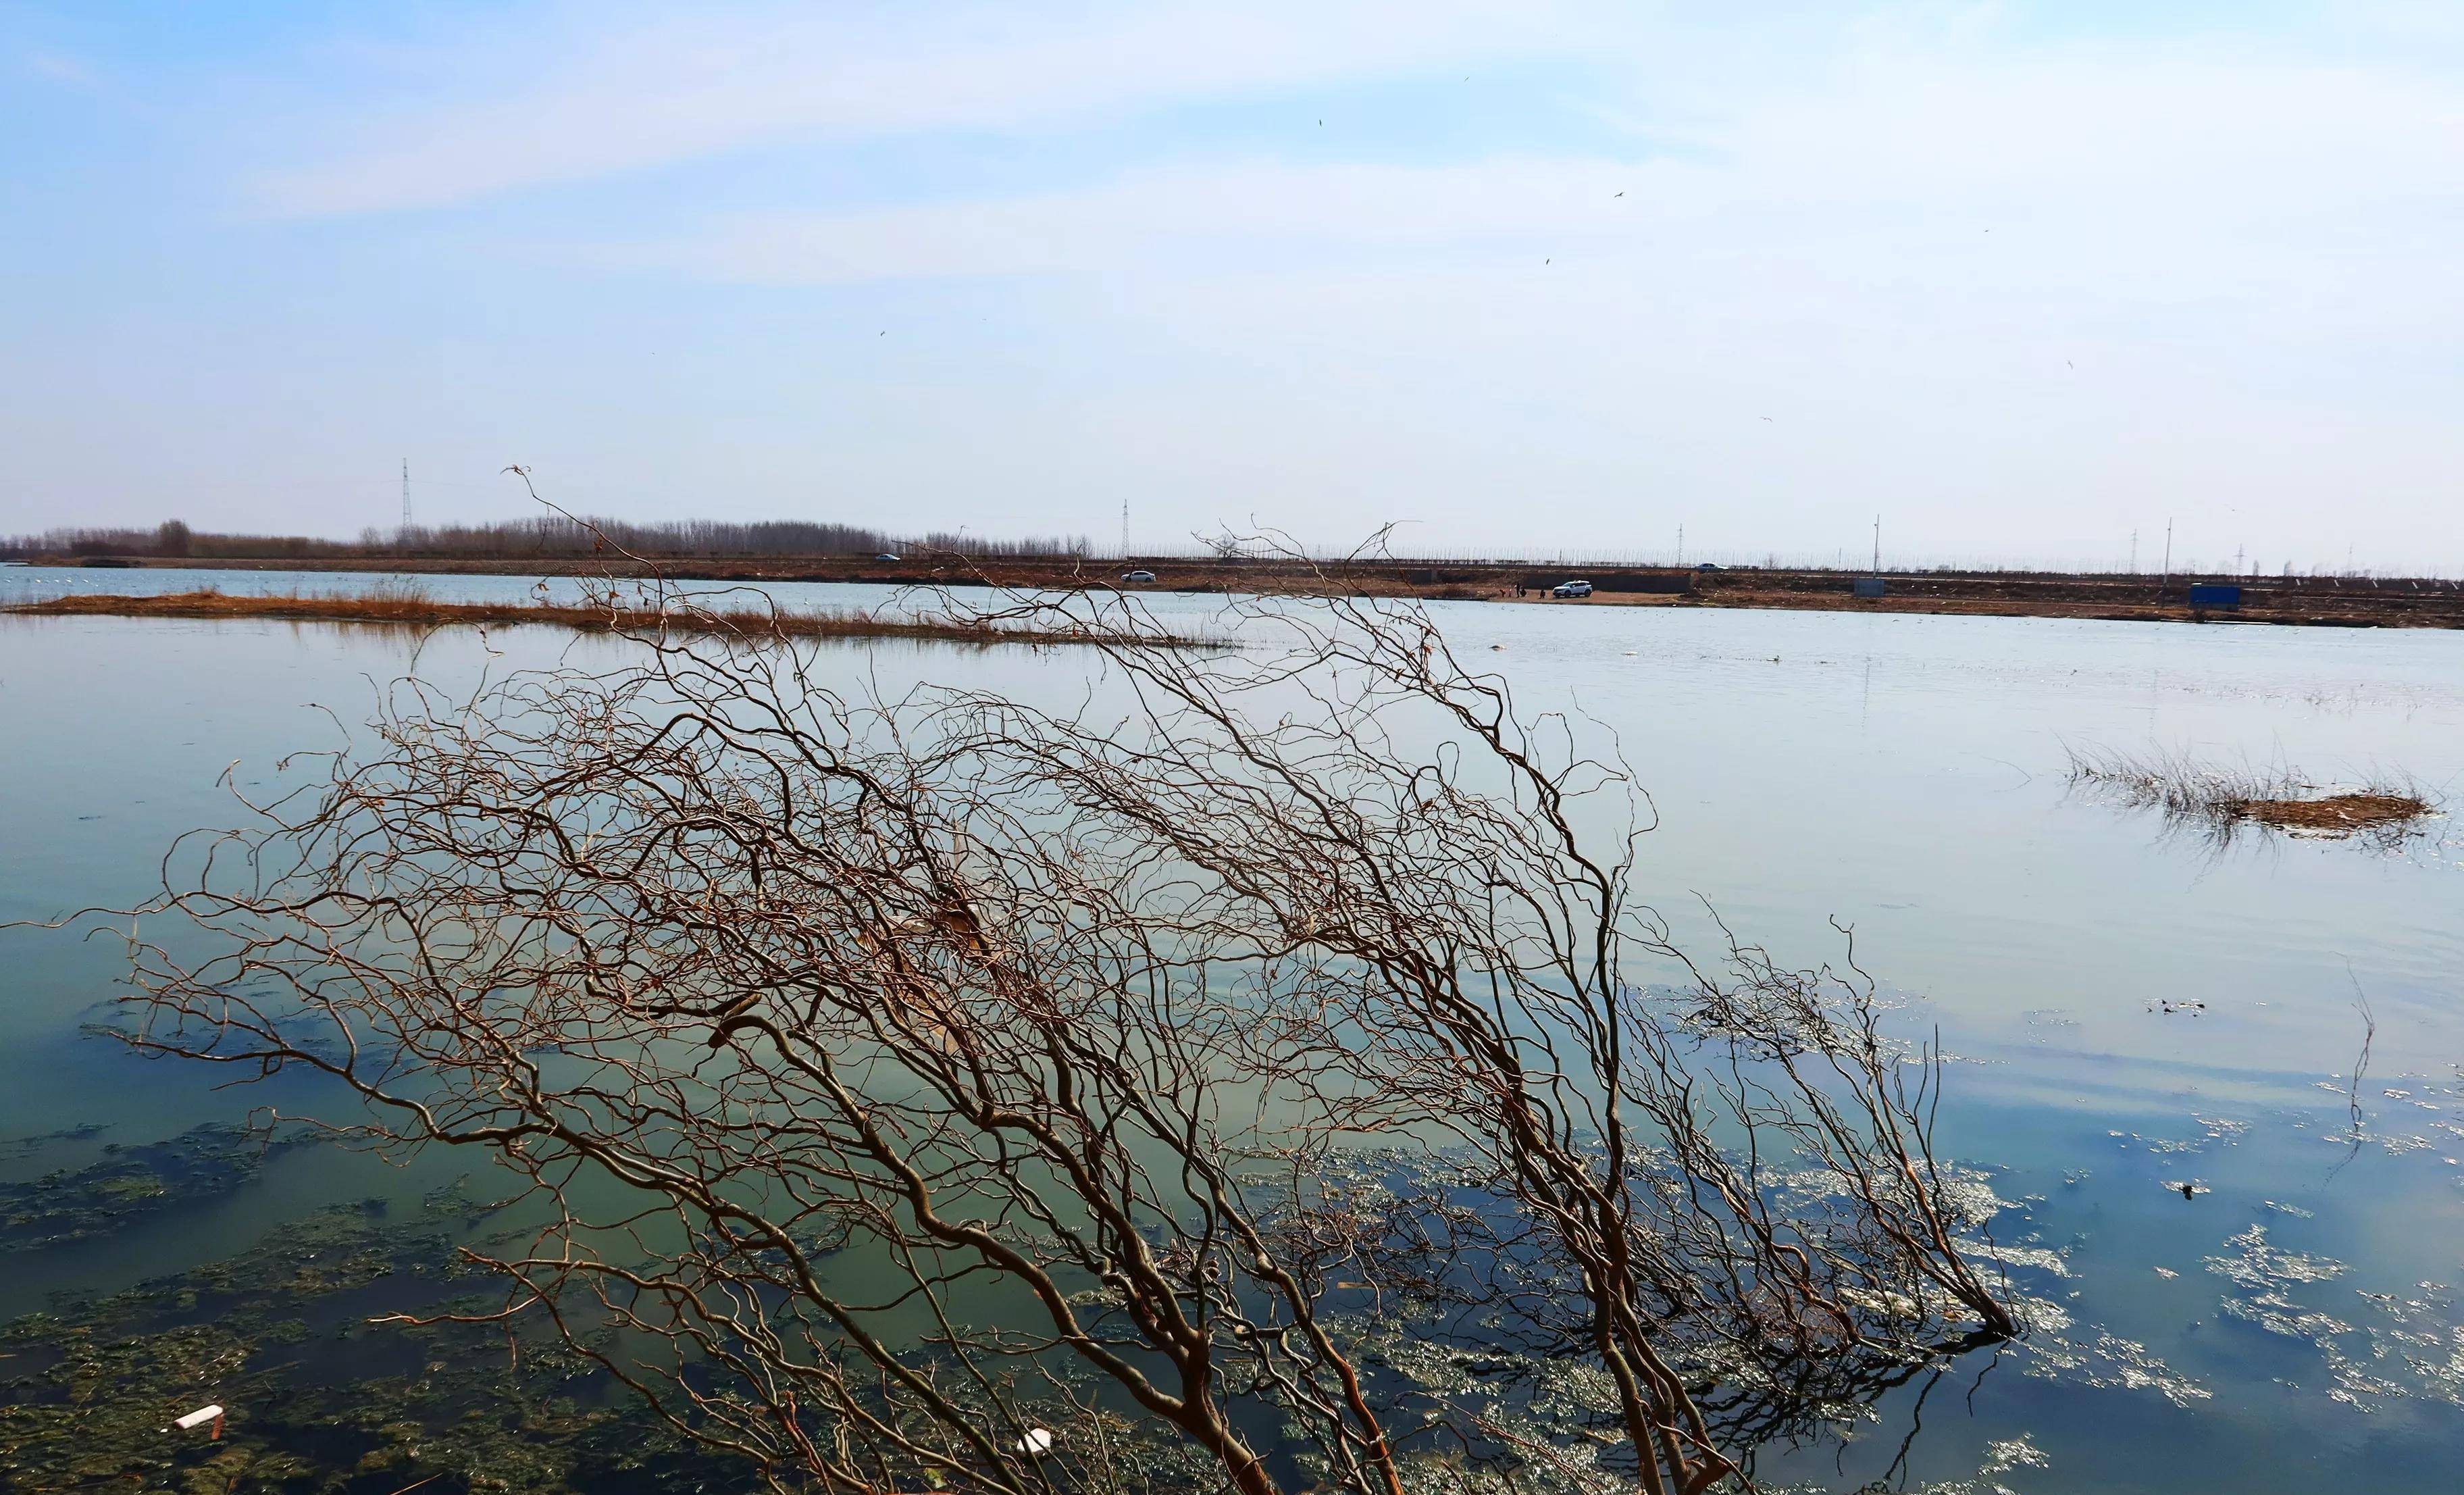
(2306, 601)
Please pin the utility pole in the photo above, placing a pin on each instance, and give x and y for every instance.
(406, 497)
(2237, 561)
(1125, 527)
(1681, 547)
(2134, 552)
(2167, 573)
(1877, 544)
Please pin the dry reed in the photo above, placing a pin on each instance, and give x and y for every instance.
(404, 606)
(2219, 800)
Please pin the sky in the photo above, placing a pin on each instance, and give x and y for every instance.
(1531, 278)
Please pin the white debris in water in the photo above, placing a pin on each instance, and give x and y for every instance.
(1969, 1195)
(2415, 1343)
(2222, 1129)
(2279, 1316)
(2262, 1267)
(2212, 1129)
(2040, 1316)
(2014, 1453)
(2110, 1361)
(2042, 1258)
(2001, 1457)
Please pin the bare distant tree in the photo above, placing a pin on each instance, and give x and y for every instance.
(1222, 545)
(1240, 1068)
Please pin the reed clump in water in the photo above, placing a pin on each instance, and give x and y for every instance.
(405, 606)
(2220, 800)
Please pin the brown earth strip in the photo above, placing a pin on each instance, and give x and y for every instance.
(422, 613)
(2314, 601)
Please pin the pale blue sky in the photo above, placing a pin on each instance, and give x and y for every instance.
(2021, 277)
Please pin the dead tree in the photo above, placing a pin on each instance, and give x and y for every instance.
(1161, 1084)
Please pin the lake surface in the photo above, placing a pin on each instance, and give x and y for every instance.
(2128, 1012)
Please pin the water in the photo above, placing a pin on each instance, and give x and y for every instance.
(1899, 774)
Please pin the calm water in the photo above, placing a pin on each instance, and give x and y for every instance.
(1900, 774)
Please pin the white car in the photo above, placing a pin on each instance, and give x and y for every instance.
(1570, 589)
(1137, 576)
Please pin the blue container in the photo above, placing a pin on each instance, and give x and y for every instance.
(2215, 596)
(1871, 586)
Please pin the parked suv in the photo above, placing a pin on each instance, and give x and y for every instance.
(1570, 589)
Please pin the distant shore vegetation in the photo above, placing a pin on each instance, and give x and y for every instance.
(545, 536)
(553, 537)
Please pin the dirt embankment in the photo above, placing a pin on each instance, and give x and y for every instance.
(2309, 601)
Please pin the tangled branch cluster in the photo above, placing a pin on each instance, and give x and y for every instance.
(1242, 1076)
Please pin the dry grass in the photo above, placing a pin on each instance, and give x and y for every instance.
(402, 604)
(2336, 814)
(2220, 800)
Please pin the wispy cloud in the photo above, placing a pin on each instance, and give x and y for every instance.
(59, 67)
(2167, 179)
(609, 99)
(1242, 213)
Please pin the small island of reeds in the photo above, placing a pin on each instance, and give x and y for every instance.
(410, 608)
(2220, 800)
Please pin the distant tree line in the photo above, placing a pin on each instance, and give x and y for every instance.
(545, 536)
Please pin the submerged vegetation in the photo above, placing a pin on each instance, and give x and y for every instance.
(319, 1403)
(70, 1206)
(2219, 801)
(609, 613)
